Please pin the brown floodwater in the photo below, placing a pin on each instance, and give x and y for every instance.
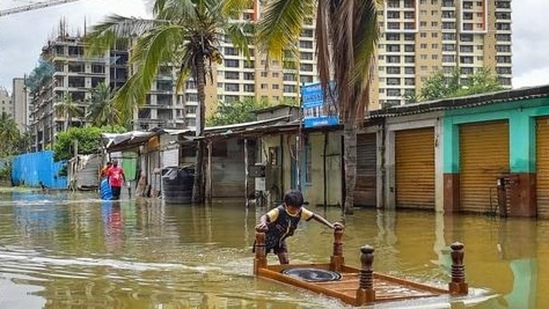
(75, 251)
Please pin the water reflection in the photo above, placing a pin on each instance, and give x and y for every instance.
(72, 251)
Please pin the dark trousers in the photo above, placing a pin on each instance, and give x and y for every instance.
(116, 192)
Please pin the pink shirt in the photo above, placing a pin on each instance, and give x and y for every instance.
(116, 176)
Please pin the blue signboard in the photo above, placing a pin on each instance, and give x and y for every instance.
(316, 110)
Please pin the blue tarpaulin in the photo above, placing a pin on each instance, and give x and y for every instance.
(32, 168)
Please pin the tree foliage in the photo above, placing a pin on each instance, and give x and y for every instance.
(13, 142)
(68, 109)
(236, 112)
(441, 85)
(101, 111)
(89, 141)
(40, 75)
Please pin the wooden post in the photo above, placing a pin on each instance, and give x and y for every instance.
(337, 260)
(365, 293)
(209, 174)
(246, 174)
(458, 286)
(260, 260)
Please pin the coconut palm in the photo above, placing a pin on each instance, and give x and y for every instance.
(101, 111)
(352, 27)
(184, 33)
(68, 108)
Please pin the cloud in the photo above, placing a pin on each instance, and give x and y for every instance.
(22, 35)
(530, 42)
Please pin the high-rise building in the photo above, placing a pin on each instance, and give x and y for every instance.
(6, 104)
(20, 104)
(420, 37)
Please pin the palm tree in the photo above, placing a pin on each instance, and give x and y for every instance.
(68, 108)
(184, 33)
(351, 27)
(101, 111)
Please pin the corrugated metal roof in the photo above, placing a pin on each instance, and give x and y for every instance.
(463, 102)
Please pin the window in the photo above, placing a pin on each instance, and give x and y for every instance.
(392, 37)
(232, 87)
(393, 70)
(393, 15)
(393, 81)
(409, 59)
(232, 75)
(249, 88)
(393, 59)
(231, 63)
(393, 48)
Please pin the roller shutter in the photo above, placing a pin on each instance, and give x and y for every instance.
(415, 168)
(366, 181)
(484, 156)
(542, 159)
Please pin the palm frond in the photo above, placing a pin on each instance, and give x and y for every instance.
(232, 7)
(239, 35)
(280, 26)
(175, 10)
(104, 34)
(153, 49)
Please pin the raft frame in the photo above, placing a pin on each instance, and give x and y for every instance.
(362, 286)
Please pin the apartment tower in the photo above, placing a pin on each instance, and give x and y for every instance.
(20, 104)
(420, 37)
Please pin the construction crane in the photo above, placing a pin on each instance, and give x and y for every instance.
(34, 6)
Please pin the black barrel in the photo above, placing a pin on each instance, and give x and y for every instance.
(177, 185)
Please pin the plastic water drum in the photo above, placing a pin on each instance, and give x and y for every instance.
(105, 190)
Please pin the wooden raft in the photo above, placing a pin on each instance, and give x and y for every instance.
(360, 286)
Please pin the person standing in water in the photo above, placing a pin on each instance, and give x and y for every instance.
(116, 179)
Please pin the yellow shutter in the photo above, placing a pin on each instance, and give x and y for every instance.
(366, 181)
(542, 159)
(415, 168)
(484, 154)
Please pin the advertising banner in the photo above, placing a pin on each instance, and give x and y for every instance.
(317, 110)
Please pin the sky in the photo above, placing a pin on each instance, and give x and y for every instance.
(23, 35)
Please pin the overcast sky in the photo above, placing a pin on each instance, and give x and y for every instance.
(23, 35)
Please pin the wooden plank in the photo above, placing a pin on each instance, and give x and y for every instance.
(388, 288)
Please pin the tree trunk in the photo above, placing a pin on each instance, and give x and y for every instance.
(199, 188)
(67, 119)
(349, 158)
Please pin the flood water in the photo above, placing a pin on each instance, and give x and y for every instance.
(74, 251)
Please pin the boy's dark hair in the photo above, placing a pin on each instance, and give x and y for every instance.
(293, 198)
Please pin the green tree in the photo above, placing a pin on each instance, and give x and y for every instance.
(101, 111)
(352, 27)
(9, 133)
(68, 108)
(40, 75)
(89, 141)
(184, 33)
(441, 85)
(236, 112)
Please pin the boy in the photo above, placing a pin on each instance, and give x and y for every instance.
(279, 223)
